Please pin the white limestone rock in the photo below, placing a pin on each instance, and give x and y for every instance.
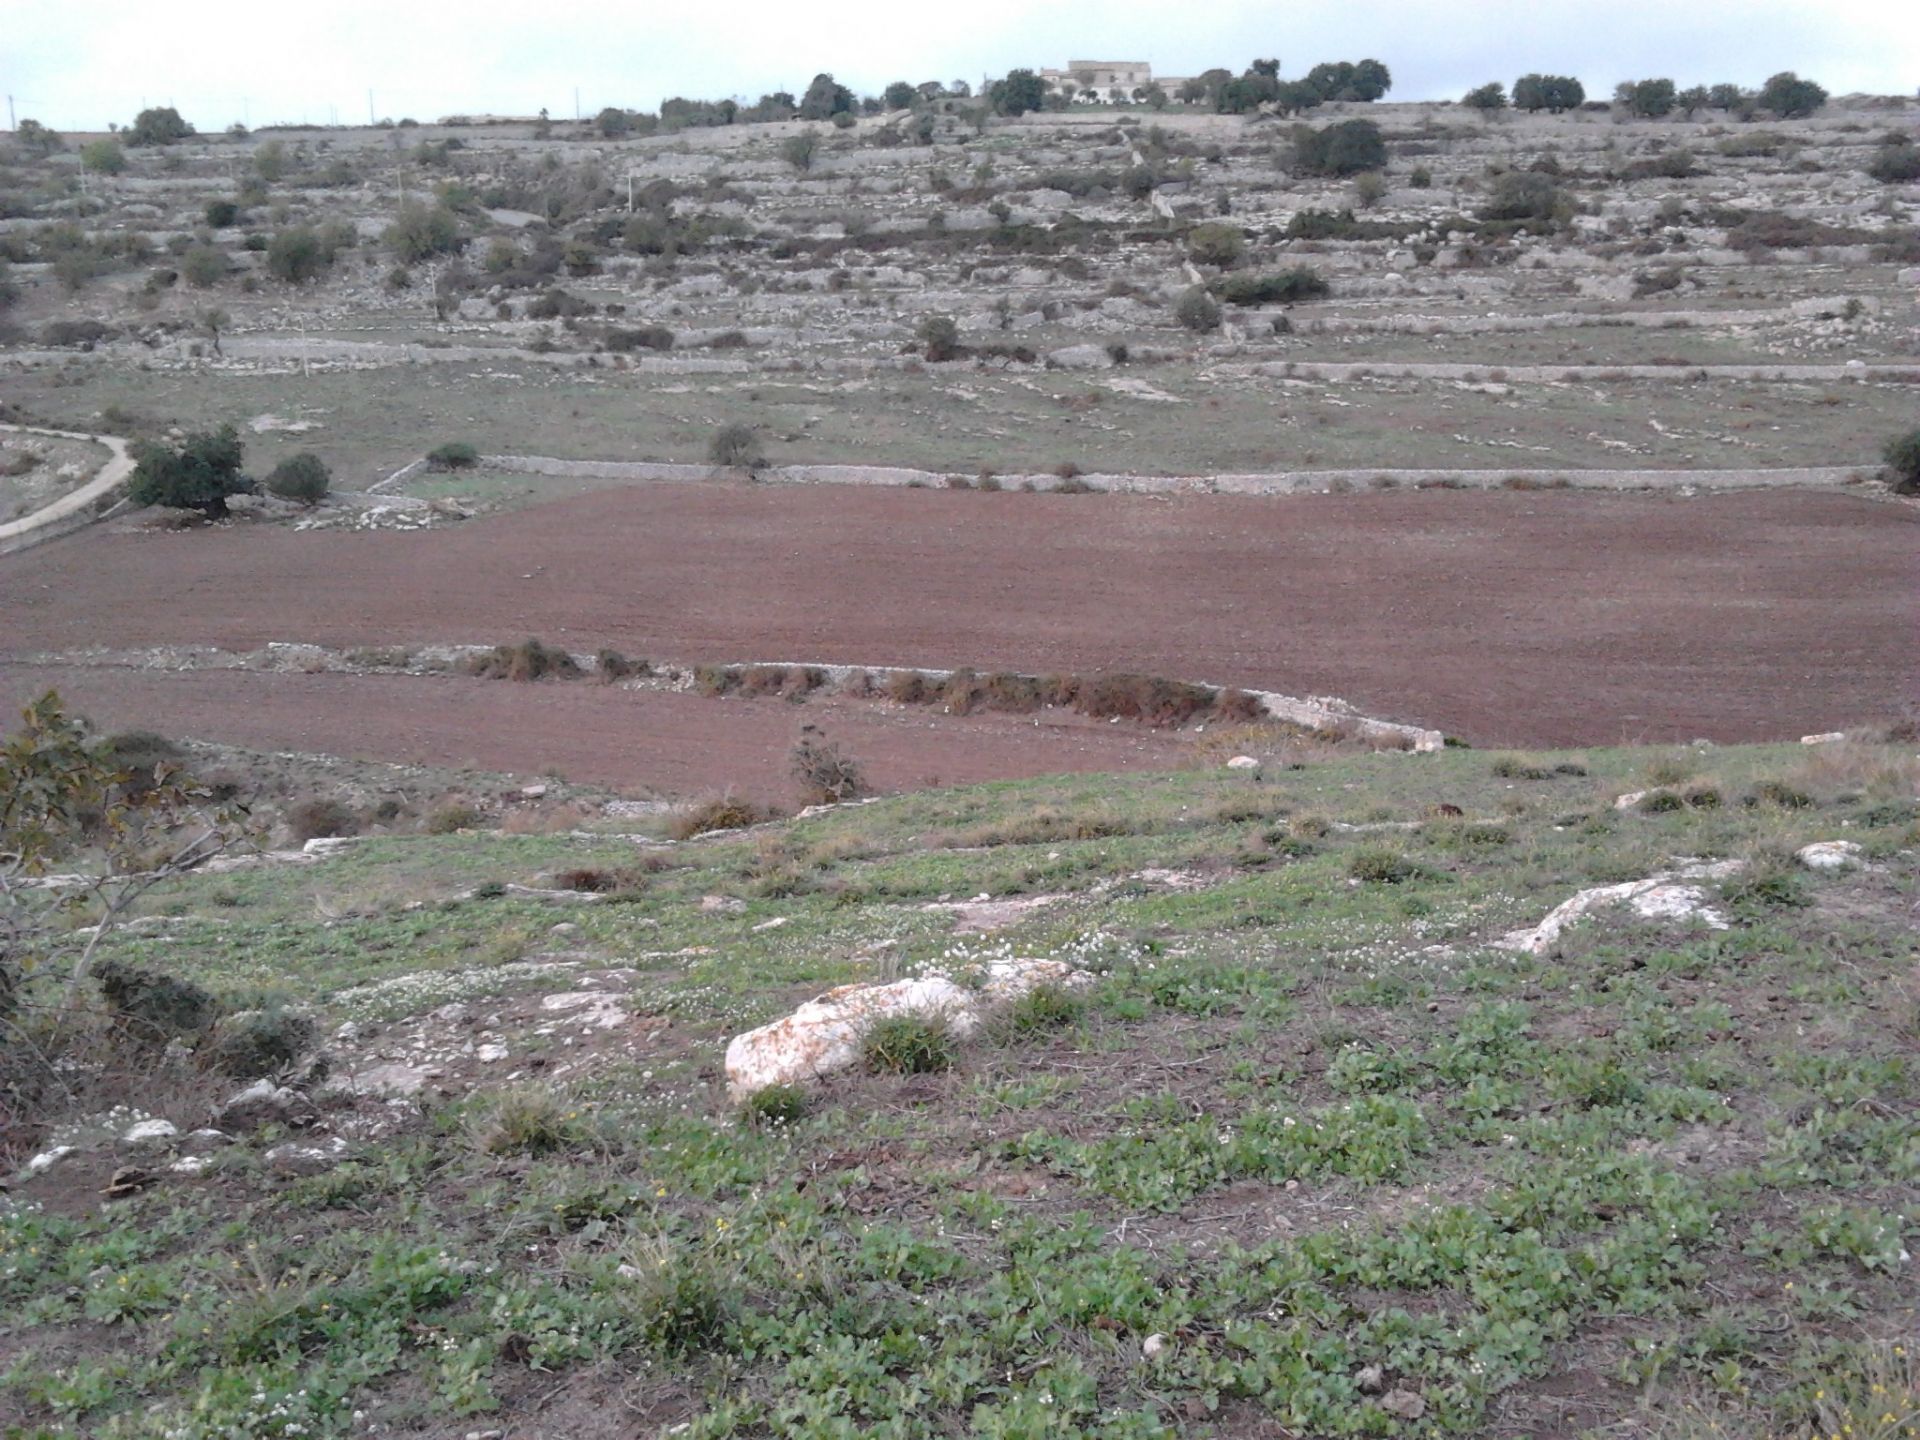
(1829, 855)
(1665, 896)
(824, 1036)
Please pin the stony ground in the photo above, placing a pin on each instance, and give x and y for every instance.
(1312, 1154)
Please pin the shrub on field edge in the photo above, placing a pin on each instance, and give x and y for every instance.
(303, 477)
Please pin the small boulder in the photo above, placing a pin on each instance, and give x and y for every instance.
(150, 1133)
(1829, 855)
(264, 1103)
(1243, 762)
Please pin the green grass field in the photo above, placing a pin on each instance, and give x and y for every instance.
(1309, 1158)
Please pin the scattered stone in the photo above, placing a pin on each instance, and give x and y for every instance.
(391, 1079)
(1243, 762)
(188, 1165)
(721, 905)
(824, 1035)
(307, 1157)
(1630, 799)
(1153, 1346)
(264, 1103)
(1827, 737)
(490, 1054)
(1829, 855)
(150, 1132)
(47, 1159)
(1404, 1404)
(1664, 896)
(1370, 1379)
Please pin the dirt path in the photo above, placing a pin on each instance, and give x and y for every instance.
(1550, 618)
(113, 474)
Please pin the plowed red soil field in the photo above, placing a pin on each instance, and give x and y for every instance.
(1526, 619)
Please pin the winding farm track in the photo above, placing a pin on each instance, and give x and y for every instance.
(114, 474)
(1509, 618)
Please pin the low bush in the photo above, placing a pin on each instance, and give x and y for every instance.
(528, 661)
(454, 816)
(1902, 454)
(152, 1007)
(1197, 311)
(455, 455)
(1282, 287)
(303, 477)
(736, 447)
(644, 337)
(908, 1045)
(1377, 865)
(321, 817)
(716, 812)
(775, 1106)
(827, 774)
(611, 666)
(1896, 164)
(259, 1044)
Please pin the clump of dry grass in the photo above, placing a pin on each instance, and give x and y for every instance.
(717, 812)
(528, 661)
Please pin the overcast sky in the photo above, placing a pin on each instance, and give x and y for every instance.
(76, 66)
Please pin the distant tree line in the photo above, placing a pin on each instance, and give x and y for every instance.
(1785, 95)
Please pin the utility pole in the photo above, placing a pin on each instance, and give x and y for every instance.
(369, 107)
(11, 125)
(576, 104)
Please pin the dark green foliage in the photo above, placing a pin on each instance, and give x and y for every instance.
(1649, 99)
(1525, 195)
(1552, 93)
(298, 255)
(1196, 310)
(736, 447)
(454, 455)
(1345, 80)
(1486, 98)
(220, 214)
(260, 1043)
(1380, 866)
(1216, 243)
(204, 265)
(321, 817)
(825, 98)
(679, 1301)
(644, 337)
(421, 231)
(160, 125)
(103, 157)
(775, 1105)
(1020, 92)
(1344, 149)
(1790, 97)
(198, 474)
(908, 1045)
(303, 477)
(152, 1006)
(1902, 455)
(1281, 287)
(1896, 162)
(940, 334)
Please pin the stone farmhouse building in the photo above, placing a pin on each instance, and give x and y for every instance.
(1094, 81)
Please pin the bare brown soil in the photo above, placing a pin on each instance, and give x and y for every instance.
(674, 744)
(1505, 618)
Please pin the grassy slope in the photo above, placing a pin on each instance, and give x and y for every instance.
(1304, 1124)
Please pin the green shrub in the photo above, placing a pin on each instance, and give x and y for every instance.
(200, 473)
(204, 265)
(1344, 149)
(1197, 311)
(677, 1299)
(1045, 1007)
(455, 455)
(736, 447)
(221, 214)
(940, 335)
(1896, 164)
(321, 817)
(1525, 195)
(908, 1045)
(160, 125)
(303, 477)
(1216, 243)
(528, 1120)
(260, 1043)
(103, 157)
(774, 1106)
(827, 775)
(453, 817)
(1281, 287)
(1378, 865)
(422, 231)
(151, 1006)
(1902, 455)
